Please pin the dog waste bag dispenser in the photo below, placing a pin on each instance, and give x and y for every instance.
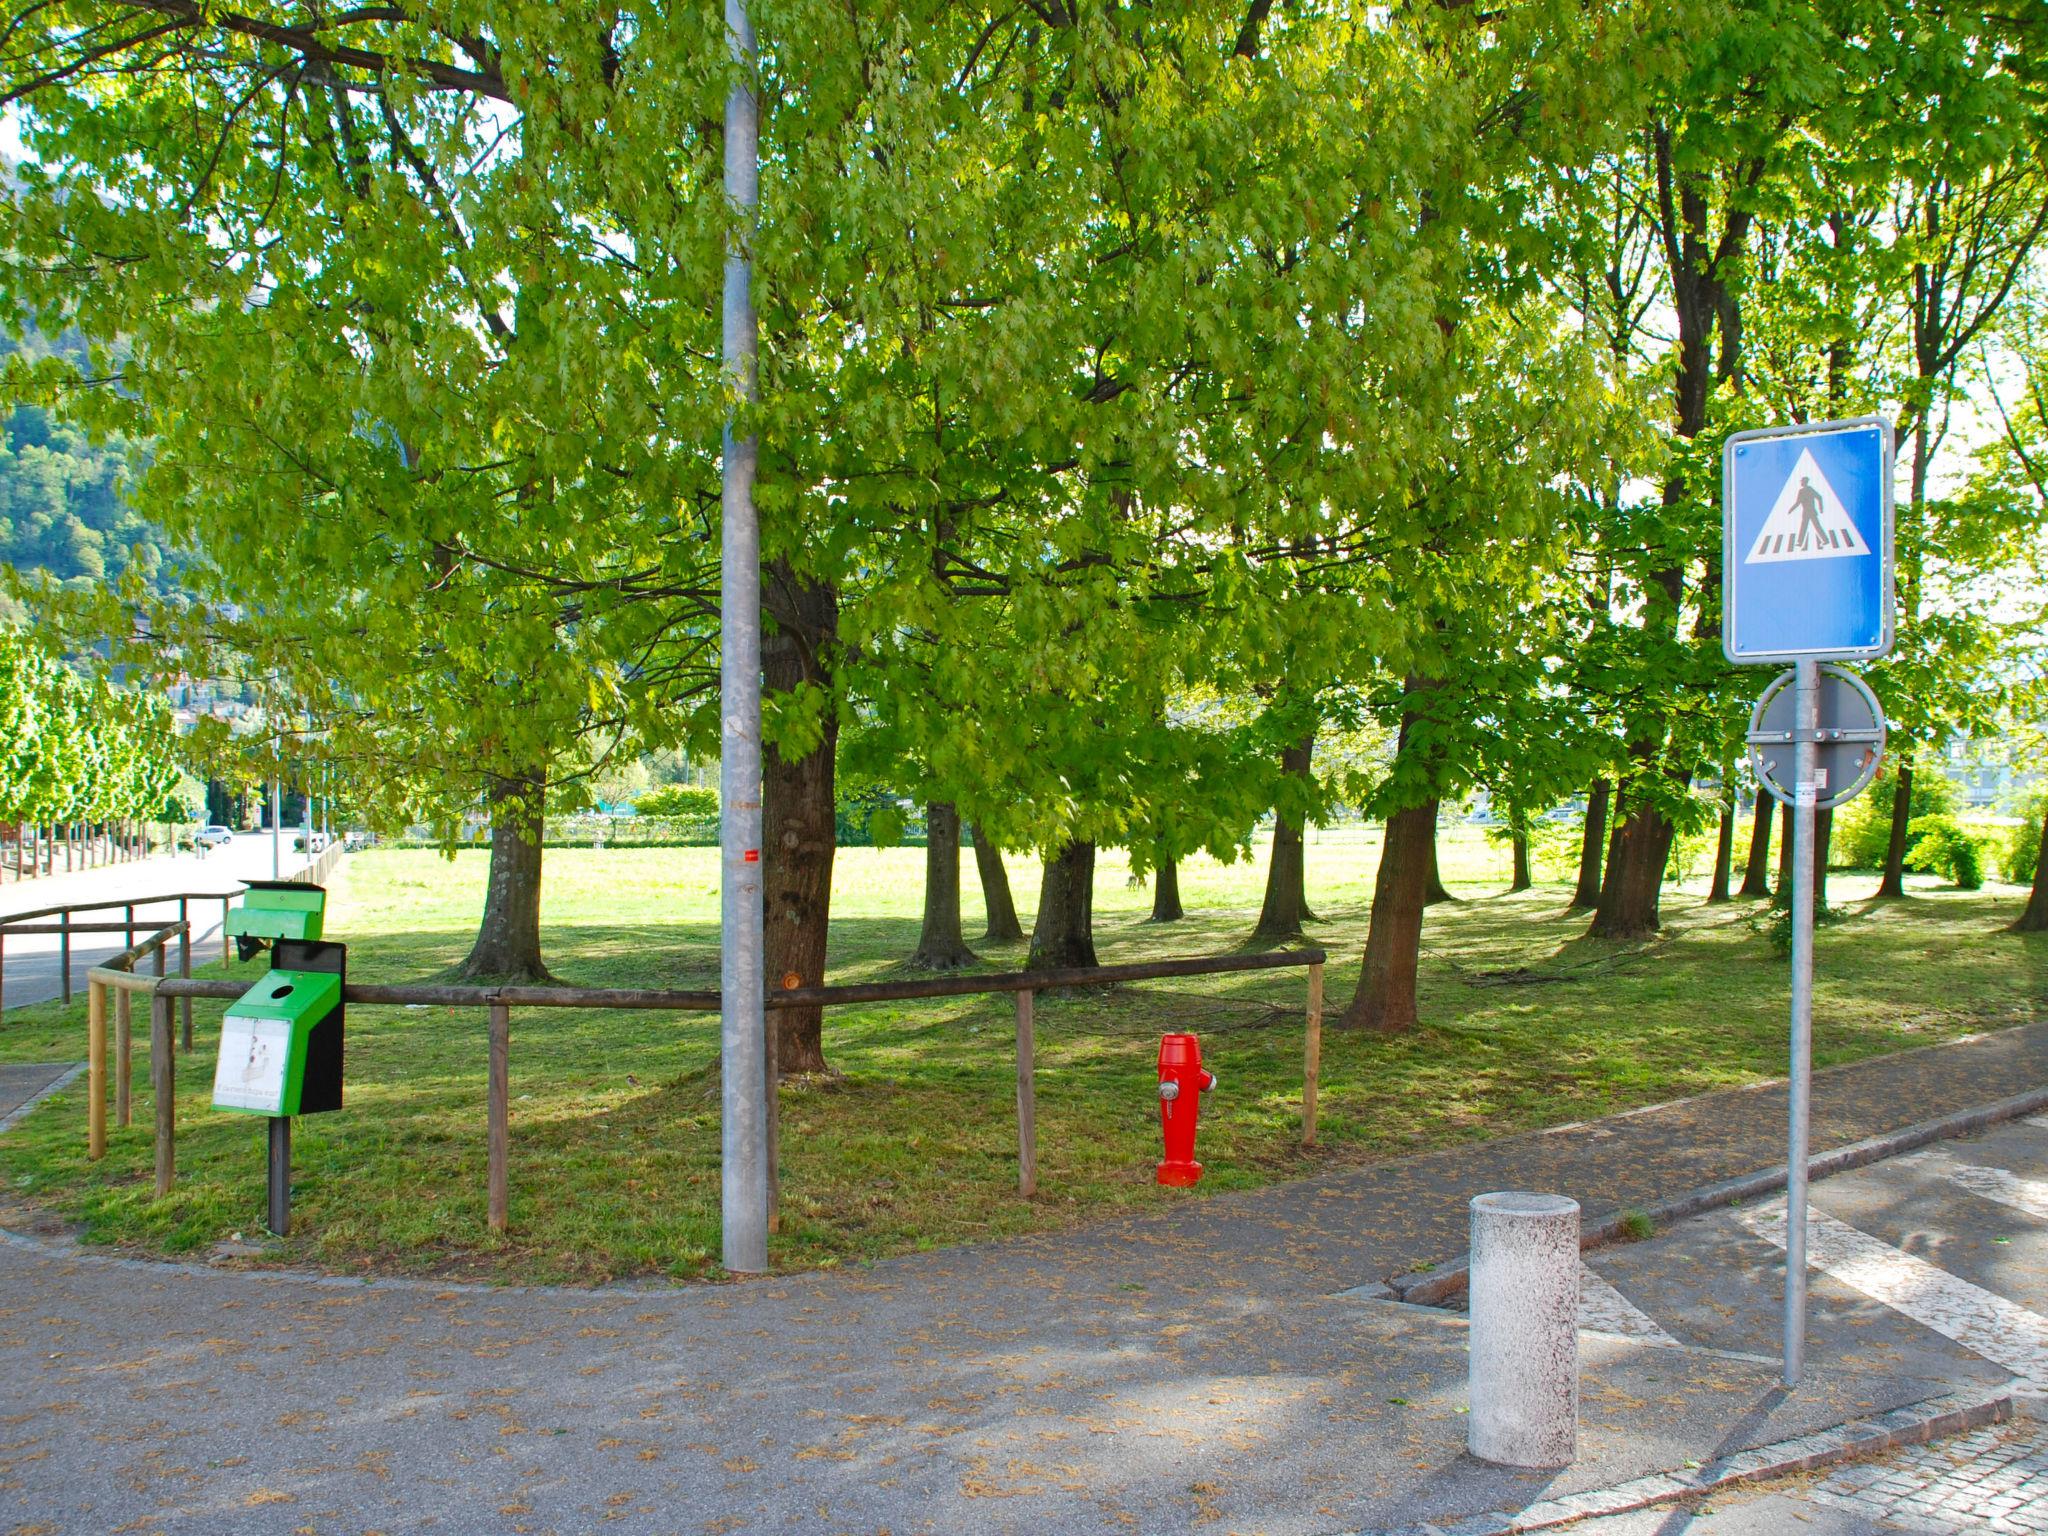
(276, 909)
(280, 1051)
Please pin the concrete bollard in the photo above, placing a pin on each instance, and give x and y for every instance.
(1524, 1338)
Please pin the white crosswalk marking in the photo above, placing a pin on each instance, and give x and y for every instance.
(1603, 1309)
(1994, 1184)
(2002, 1331)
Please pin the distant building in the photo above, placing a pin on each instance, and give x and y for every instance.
(1990, 772)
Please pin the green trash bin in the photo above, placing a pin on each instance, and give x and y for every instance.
(281, 1051)
(274, 1057)
(276, 909)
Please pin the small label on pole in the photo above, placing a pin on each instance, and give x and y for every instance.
(751, 856)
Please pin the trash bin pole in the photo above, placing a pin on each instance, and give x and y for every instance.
(1524, 1340)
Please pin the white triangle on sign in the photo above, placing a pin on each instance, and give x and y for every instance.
(1807, 521)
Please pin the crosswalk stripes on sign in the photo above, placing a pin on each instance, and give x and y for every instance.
(1808, 521)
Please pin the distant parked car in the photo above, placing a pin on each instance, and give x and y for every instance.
(213, 837)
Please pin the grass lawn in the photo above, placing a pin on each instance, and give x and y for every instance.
(912, 1142)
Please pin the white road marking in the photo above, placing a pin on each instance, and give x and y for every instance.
(1604, 1310)
(2002, 1331)
(1995, 1184)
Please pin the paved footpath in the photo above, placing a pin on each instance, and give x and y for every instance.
(1197, 1367)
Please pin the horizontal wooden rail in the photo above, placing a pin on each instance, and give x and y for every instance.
(498, 1003)
(668, 1000)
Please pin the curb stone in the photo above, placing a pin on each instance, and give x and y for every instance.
(1931, 1418)
(20, 1111)
(1434, 1287)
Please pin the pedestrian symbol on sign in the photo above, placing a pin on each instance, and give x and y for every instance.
(1807, 521)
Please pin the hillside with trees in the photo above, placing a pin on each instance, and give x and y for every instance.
(64, 511)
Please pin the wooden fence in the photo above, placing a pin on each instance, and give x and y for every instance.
(498, 1003)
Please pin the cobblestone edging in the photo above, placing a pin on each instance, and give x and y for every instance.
(1993, 1480)
(1433, 1287)
(1915, 1424)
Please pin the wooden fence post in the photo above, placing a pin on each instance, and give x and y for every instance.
(95, 1070)
(771, 1063)
(64, 950)
(3, 973)
(124, 1056)
(185, 968)
(163, 1084)
(1027, 1098)
(499, 1113)
(1312, 1055)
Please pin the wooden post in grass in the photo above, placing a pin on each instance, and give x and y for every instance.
(500, 1114)
(95, 1070)
(1312, 1055)
(772, 1102)
(185, 968)
(124, 1056)
(1027, 1099)
(163, 1085)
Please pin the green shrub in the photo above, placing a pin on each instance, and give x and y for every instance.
(689, 801)
(2023, 843)
(1863, 827)
(1940, 844)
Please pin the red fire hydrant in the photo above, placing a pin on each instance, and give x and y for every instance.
(1182, 1082)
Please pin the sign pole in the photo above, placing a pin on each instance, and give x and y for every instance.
(1806, 769)
(742, 976)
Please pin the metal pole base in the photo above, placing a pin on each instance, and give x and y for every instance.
(280, 1175)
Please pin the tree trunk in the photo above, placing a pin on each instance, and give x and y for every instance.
(1286, 906)
(941, 947)
(1003, 927)
(1823, 834)
(799, 826)
(1724, 853)
(1385, 1001)
(2035, 918)
(1636, 857)
(1756, 874)
(507, 944)
(1520, 880)
(1064, 935)
(1591, 842)
(1433, 890)
(1166, 907)
(1784, 896)
(1894, 881)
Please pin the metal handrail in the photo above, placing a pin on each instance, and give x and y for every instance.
(24, 923)
(119, 901)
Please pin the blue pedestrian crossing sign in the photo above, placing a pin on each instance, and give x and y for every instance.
(1806, 542)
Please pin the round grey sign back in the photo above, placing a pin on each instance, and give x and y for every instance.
(1851, 744)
